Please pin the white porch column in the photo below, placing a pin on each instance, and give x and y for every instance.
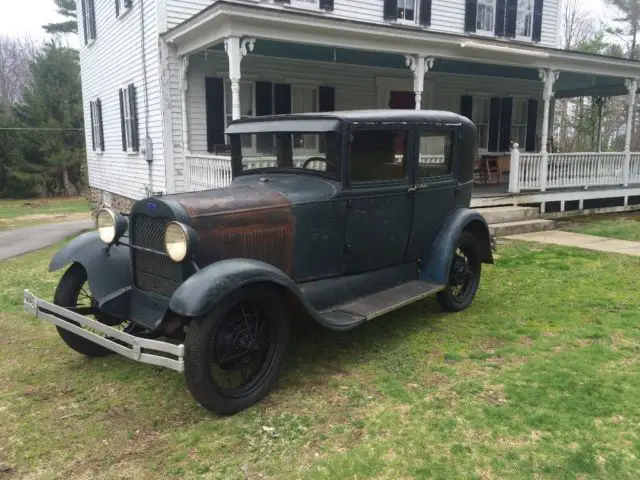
(419, 65)
(184, 86)
(632, 88)
(236, 48)
(514, 169)
(549, 78)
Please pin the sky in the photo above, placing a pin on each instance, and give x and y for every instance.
(26, 17)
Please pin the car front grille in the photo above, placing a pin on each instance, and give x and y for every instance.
(153, 270)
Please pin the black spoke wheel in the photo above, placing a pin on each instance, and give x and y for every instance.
(233, 354)
(73, 292)
(464, 275)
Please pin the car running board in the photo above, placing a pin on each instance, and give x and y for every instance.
(372, 306)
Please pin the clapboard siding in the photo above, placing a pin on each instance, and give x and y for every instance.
(111, 62)
(446, 16)
(356, 88)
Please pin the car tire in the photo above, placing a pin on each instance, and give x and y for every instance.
(67, 292)
(228, 334)
(464, 273)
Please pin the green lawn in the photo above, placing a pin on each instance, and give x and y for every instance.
(18, 213)
(538, 380)
(621, 226)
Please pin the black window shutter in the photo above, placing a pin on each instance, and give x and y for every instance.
(532, 125)
(282, 97)
(264, 106)
(93, 138)
(537, 21)
(390, 9)
(83, 9)
(466, 106)
(122, 126)
(425, 12)
(470, 15)
(134, 118)
(92, 16)
(511, 17)
(100, 127)
(494, 124)
(505, 124)
(326, 99)
(500, 13)
(214, 100)
(117, 8)
(326, 4)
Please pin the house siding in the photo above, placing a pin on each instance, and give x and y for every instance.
(356, 88)
(111, 62)
(447, 15)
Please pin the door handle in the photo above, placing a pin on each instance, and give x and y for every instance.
(412, 188)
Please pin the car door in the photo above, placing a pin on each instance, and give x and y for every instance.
(434, 184)
(377, 197)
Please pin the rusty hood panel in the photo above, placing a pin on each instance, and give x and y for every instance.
(252, 221)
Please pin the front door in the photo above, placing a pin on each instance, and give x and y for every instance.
(378, 199)
(435, 186)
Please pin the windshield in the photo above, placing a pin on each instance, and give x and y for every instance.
(311, 152)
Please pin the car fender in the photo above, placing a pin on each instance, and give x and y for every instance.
(438, 262)
(108, 269)
(209, 286)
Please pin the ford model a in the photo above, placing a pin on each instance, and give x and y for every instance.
(340, 216)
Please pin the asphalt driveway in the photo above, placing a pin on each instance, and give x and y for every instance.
(22, 240)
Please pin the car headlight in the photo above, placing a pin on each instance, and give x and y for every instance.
(176, 241)
(111, 225)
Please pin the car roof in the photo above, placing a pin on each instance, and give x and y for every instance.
(370, 115)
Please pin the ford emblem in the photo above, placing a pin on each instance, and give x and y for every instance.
(152, 206)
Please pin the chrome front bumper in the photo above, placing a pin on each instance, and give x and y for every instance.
(125, 344)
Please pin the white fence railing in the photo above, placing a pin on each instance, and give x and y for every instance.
(204, 171)
(571, 170)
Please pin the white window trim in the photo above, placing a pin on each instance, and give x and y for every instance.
(128, 121)
(87, 23)
(487, 98)
(123, 9)
(514, 125)
(530, 36)
(416, 15)
(316, 90)
(97, 126)
(492, 31)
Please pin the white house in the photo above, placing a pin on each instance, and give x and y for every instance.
(162, 78)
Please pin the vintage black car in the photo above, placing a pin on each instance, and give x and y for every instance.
(340, 216)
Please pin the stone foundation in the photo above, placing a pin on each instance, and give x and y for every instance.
(101, 198)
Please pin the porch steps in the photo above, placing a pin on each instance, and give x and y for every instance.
(511, 220)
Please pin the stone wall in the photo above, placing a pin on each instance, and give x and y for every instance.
(101, 198)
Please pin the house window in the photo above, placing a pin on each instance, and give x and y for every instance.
(407, 10)
(435, 154)
(486, 17)
(88, 20)
(480, 116)
(129, 118)
(247, 106)
(123, 6)
(519, 122)
(97, 137)
(524, 18)
(304, 99)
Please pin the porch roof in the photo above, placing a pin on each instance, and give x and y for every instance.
(286, 33)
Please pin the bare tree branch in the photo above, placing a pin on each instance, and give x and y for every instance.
(15, 54)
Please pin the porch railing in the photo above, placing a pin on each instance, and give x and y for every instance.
(205, 171)
(571, 170)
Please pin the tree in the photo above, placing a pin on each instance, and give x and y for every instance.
(67, 9)
(15, 54)
(630, 10)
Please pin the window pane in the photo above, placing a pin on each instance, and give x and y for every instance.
(246, 99)
(523, 22)
(378, 155)
(485, 16)
(435, 154)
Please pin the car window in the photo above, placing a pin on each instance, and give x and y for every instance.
(435, 154)
(378, 155)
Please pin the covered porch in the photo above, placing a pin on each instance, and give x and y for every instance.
(507, 88)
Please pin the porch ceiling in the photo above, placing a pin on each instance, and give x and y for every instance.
(457, 52)
(570, 84)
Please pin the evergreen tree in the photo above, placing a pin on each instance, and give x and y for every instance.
(630, 10)
(67, 9)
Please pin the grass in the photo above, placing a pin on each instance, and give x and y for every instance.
(624, 226)
(17, 213)
(539, 379)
